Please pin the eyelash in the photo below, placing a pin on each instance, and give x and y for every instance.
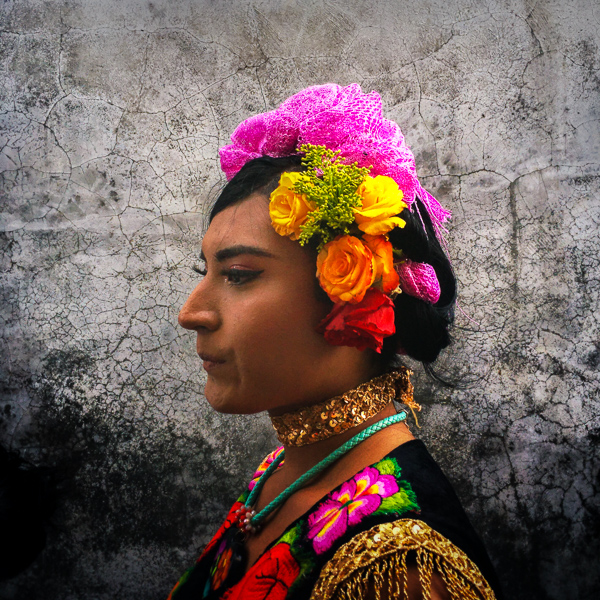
(242, 275)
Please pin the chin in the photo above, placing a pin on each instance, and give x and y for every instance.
(227, 402)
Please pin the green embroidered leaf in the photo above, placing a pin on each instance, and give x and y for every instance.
(403, 500)
(182, 580)
(303, 553)
(388, 466)
(290, 536)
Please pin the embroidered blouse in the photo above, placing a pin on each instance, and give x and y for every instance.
(360, 536)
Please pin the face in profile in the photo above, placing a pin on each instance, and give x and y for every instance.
(255, 312)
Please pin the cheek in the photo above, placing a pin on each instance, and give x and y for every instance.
(270, 326)
(299, 315)
(280, 328)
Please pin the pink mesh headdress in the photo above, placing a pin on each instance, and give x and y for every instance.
(339, 118)
(344, 120)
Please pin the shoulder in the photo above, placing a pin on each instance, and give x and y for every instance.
(408, 526)
(264, 465)
(387, 556)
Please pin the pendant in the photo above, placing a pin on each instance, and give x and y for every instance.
(244, 515)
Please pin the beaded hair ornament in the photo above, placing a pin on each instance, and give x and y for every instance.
(360, 176)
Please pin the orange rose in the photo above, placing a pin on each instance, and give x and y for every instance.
(346, 269)
(386, 276)
(381, 201)
(288, 209)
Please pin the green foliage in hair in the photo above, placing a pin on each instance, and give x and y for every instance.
(331, 185)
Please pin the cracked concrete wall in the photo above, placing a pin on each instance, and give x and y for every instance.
(111, 113)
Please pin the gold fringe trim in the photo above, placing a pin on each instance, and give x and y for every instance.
(375, 561)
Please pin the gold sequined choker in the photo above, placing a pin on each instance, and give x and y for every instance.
(334, 416)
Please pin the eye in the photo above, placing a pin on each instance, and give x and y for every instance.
(240, 276)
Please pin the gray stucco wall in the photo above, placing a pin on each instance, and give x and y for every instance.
(111, 113)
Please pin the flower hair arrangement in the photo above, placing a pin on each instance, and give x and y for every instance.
(361, 175)
(350, 214)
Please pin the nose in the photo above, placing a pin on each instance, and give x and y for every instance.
(198, 311)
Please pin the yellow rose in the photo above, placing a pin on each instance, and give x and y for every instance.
(381, 202)
(288, 209)
(386, 277)
(346, 269)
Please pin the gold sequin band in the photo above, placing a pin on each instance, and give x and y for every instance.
(373, 564)
(336, 415)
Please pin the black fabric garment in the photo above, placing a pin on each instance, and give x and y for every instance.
(439, 507)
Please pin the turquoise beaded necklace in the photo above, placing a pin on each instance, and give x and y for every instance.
(250, 521)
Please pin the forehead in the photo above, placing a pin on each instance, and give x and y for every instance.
(247, 217)
(246, 223)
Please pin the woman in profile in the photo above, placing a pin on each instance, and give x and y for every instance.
(323, 264)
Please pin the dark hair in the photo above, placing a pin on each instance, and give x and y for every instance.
(421, 328)
(257, 175)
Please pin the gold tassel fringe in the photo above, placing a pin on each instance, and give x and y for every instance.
(375, 562)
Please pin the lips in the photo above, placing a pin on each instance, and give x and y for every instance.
(209, 361)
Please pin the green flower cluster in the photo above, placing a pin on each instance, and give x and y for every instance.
(331, 185)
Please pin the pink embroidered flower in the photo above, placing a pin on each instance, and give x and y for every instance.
(264, 465)
(356, 499)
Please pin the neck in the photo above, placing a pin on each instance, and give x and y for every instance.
(312, 433)
(299, 459)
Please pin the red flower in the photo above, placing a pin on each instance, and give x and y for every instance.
(269, 578)
(363, 325)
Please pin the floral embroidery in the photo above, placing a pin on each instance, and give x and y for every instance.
(269, 578)
(404, 499)
(221, 569)
(181, 581)
(357, 498)
(230, 519)
(373, 490)
(287, 567)
(264, 465)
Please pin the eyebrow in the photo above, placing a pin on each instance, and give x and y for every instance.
(233, 251)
